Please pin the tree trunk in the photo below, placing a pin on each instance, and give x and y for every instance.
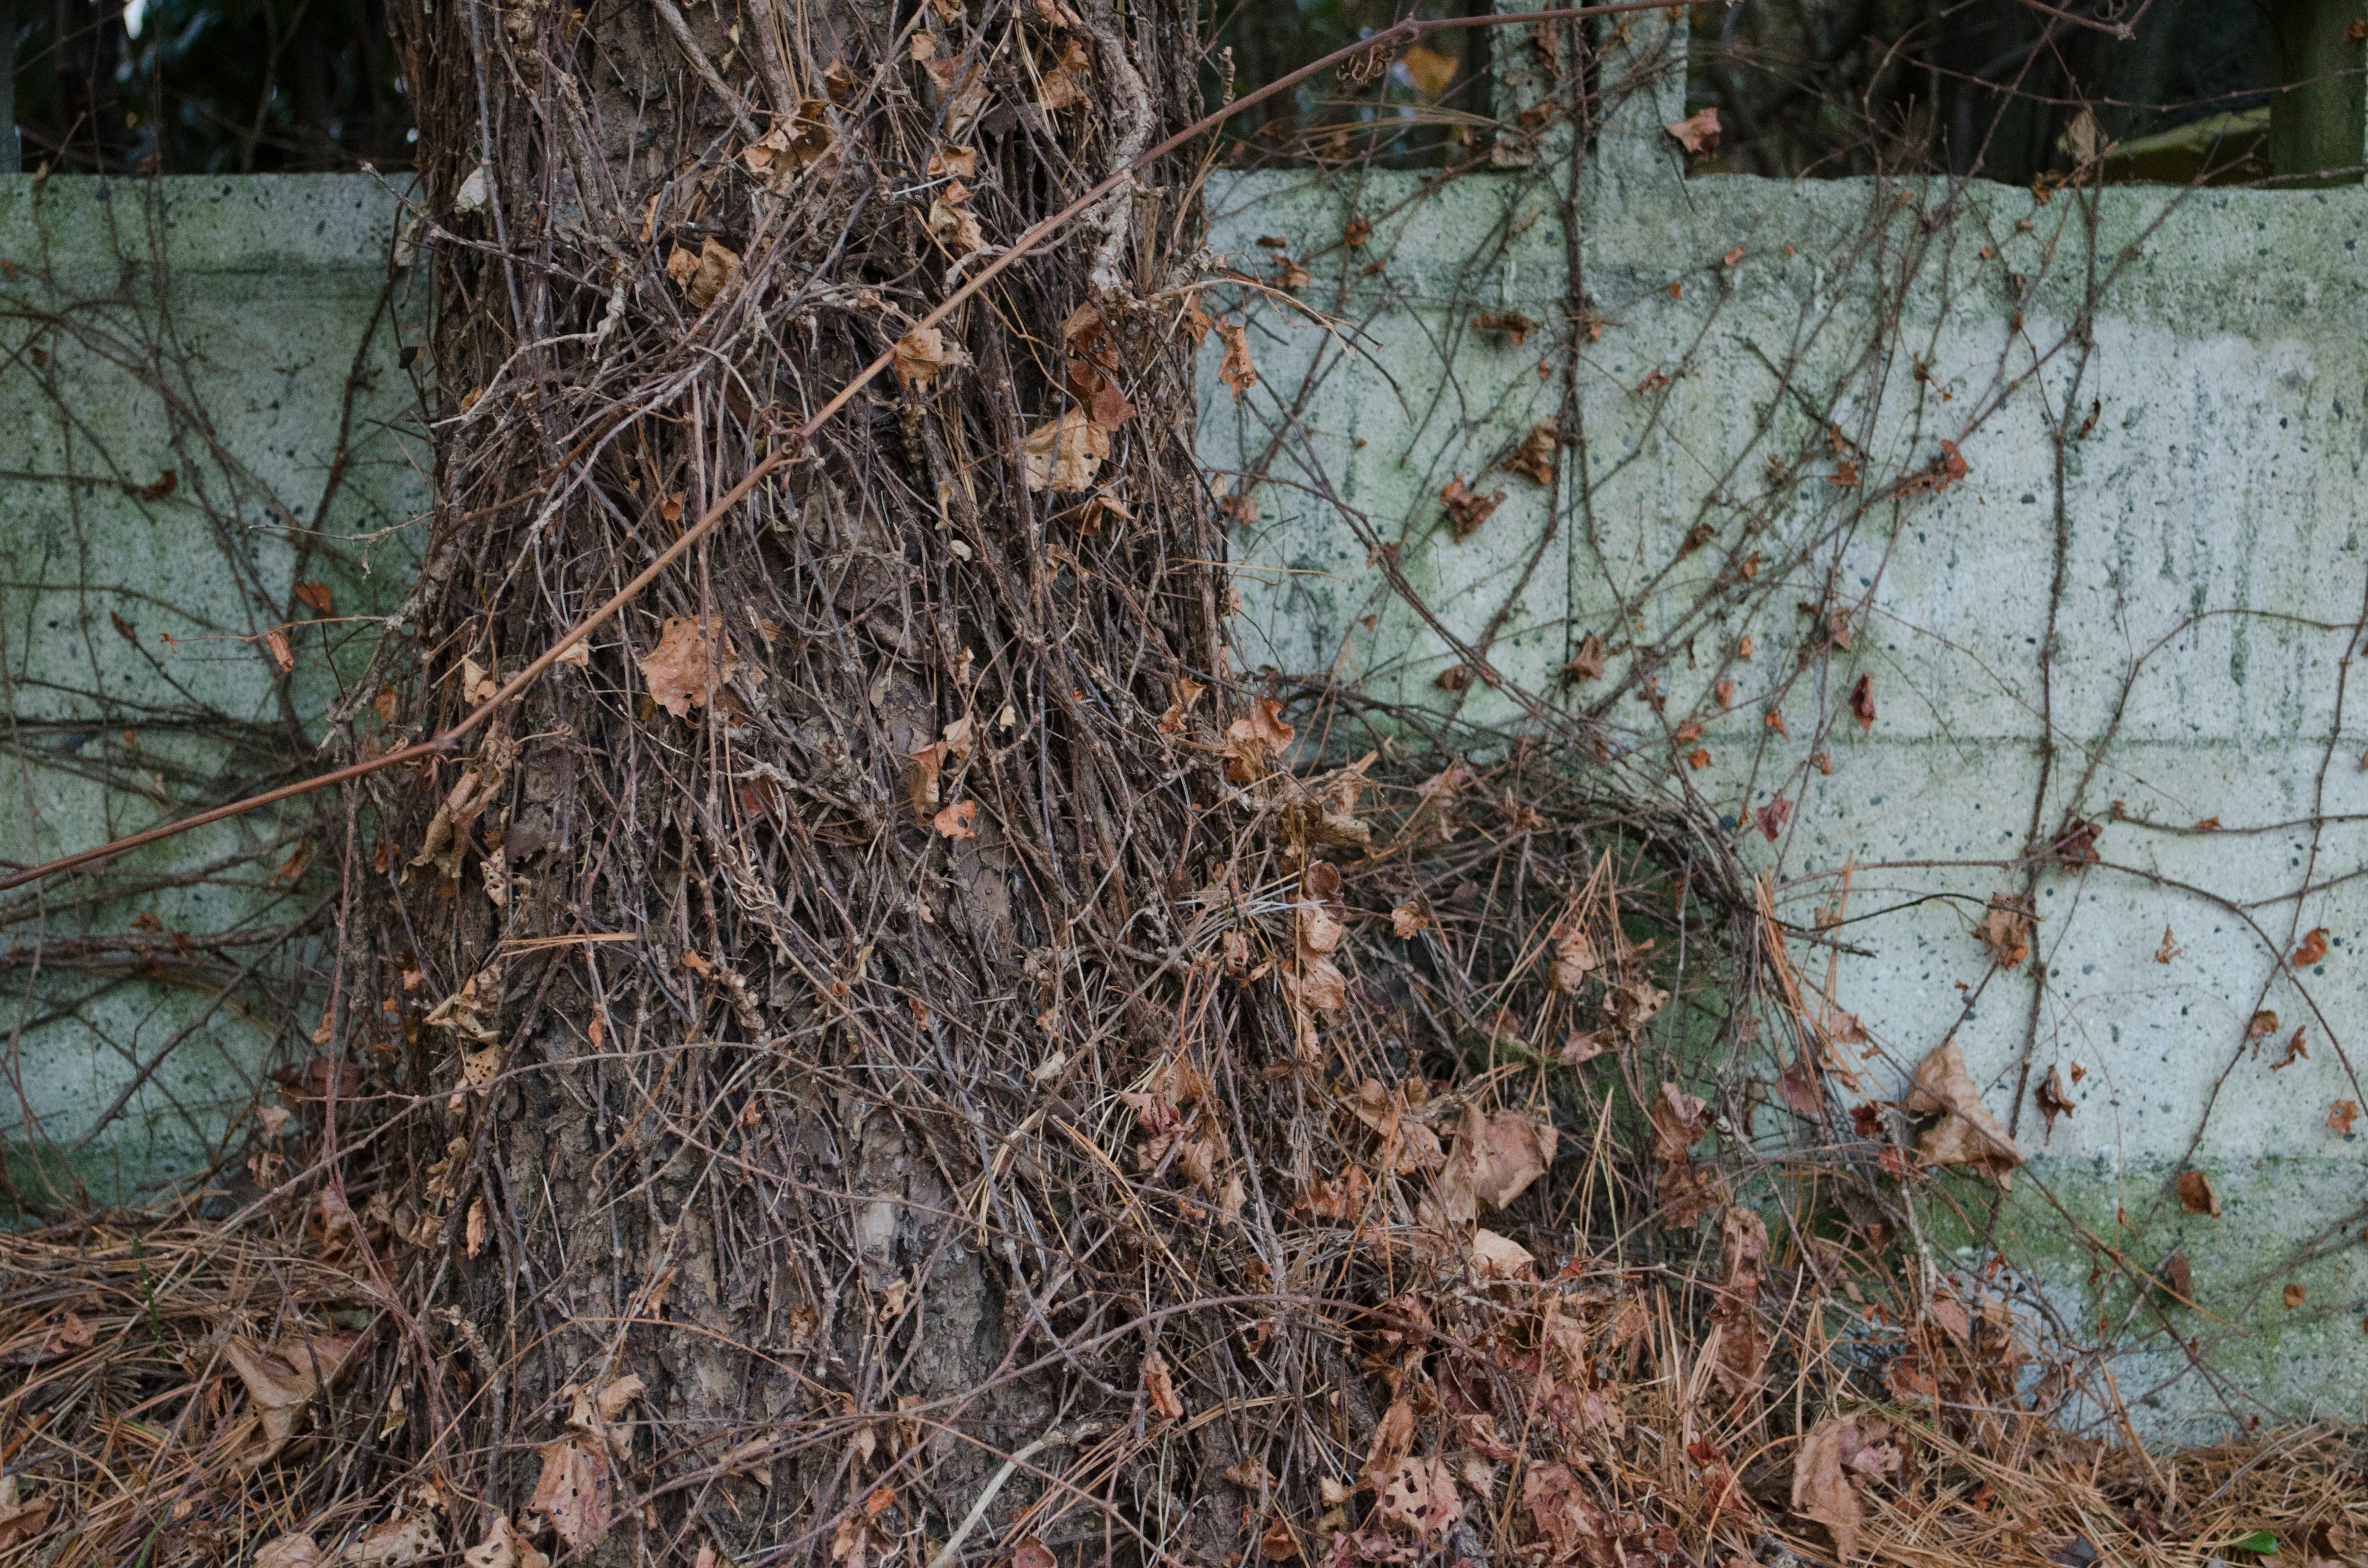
(761, 979)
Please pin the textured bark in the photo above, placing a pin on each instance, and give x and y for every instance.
(780, 1151)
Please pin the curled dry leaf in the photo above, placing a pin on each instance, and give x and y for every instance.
(1495, 1160)
(951, 222)
(923, 355)
(686, 667)
(1062, 454)
(395, 1544)
(290, 1551)
(1697, 133)
(2196, 1194)
(1861, 702)
(1180, 703)
(469, 1011)
(1408, 920)
(955, 820)
(1418, 1496)
(503, 1548)
(1564, 1516)
(1574, 957)
(571, 1496)
(2313, 948)
(2005, 930)
(1237, 370)
(1032, 1553)
(1160, 1388)
(281, 1379)
(1835, 1451)
(1467, 509)
(1064, 86)
(803, 142)
(1967, 1135)
(704, 275)
(1501, 1257)
(1255, 740)
(1533, 460)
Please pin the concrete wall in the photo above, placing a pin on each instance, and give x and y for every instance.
(2207, 525)
(206, 329)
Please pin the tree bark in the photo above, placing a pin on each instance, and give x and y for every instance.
(745, 1051)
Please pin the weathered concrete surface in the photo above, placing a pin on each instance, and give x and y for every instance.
(2213, 567)
(204, 329)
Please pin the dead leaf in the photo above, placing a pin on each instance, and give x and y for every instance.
(291, 1551)
(922, 355)
(280, 1380)
(313, 596)
(503, 1548)
(2053, 1099)
(1254, 742)
(955, 820)
(1698, 134)
(1834, 1451)
(1562, 1513)
(2196, 1194)
(1187, 691)
(2294, 1296)
(1467, 509)
(1237, 370)
(1064, 85)
(1161, 1388)
(1032, 1553)
(951, 222)
(1534, 458)
(283, 654)
(1512, 324)
(469, 1011)
(395, 1543)
(949, 161)
(1495, 1160)
(1062, 454)
(702, 276)
(804, 142)
(2313, 948)
(2005, 930)
(1501, 1257)
(686, 668)
(571, 1496)
(1407, 920)
(1586, 664)
(1420, 1496)
(2341, 1115)
(1861, 702)
(1967, 1135)
(1574, 957)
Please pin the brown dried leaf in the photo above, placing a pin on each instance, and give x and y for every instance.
(1180, 703)
(395, 1544)
(702, 276)
(2196, 1194)
(1467, 509)
(923, 355)
(1967, 1135)
(1821, 1485)
(1495, 1160)
(1237, 370)
(1065, 85)
(1698, 134)
(1160, 1387)
(1256, 740)
(280, 1380)
(2005, 930)
(1408, 920)
(503, 1548)
(686, 668)
(1501, 1257)
(1062, 454)
(2312, 949)
(1418, 1496)
(571, 1496)
(951, 222)
(291, 1551)
(955, 820)
(1534, 458)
